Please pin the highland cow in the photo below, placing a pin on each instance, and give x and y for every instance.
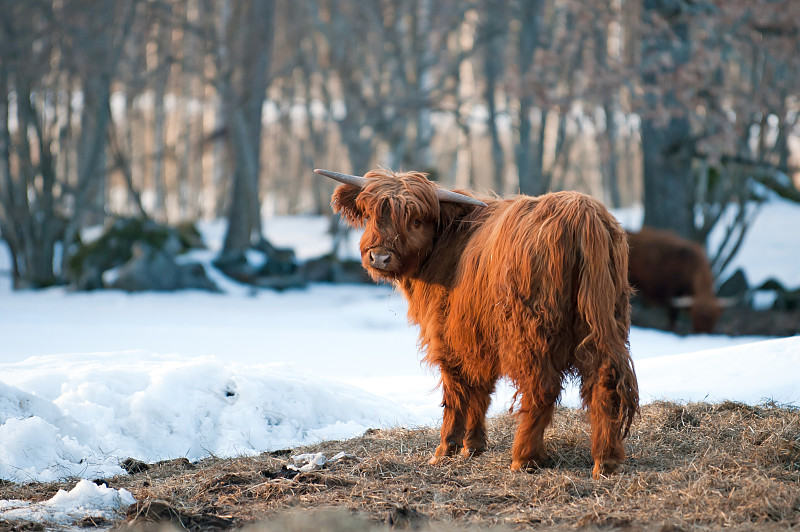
(533, 288)
(673, 273)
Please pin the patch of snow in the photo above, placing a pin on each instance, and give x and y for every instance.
(91, 411)
(85, 500)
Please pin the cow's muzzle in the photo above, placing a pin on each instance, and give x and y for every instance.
(381, 259)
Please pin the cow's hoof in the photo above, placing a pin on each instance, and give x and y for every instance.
(604, 469)
(529, 465)
(444, 449)
(438, 459)
(468, 452)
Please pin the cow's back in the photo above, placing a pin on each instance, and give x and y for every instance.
(519, 269)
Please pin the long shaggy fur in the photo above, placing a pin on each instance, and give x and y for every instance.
(532, 288)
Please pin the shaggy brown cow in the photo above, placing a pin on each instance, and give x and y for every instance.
(532, 288)
(671, 272)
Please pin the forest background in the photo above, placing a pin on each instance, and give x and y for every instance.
(176, 110)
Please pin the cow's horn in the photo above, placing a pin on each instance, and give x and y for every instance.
(455, 197)
(442, 194)
(343, 178)
(683, 301)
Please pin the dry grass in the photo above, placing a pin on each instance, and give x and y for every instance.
(695, 466)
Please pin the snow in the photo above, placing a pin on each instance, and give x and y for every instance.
(771, 248)
(750, 373)
(85, 500)
(89, 379)
(104, 407)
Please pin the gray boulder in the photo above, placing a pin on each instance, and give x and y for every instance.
(156, 269)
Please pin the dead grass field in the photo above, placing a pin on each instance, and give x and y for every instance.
(690, 467)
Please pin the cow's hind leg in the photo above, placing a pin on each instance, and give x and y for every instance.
(604, 402)
(454, 416)
(533, 365)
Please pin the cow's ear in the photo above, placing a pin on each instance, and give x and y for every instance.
(450, 212)
(344, 202)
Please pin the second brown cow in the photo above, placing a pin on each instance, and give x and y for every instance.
(671, 272)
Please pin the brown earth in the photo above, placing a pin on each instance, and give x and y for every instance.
(690, 467)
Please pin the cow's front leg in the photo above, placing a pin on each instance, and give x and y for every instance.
(453, 418)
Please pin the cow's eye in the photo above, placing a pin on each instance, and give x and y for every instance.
(367, 217)
(417, 222)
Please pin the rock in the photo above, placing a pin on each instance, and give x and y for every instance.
(263, 266)
(132, 466)
(734, 286)
(350, 271)
(189, 236)
(307, 462)
(328, 269)
(281, 282)
(234, 264)
(280, 261)
(90, 262)
(318, 270)
(156, 269)
(787, 299)
(193, 276)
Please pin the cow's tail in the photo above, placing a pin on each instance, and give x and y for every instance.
(604, 307)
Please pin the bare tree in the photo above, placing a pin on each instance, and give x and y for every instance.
(667, 140)
(243, 33)
(529, 152)
(216, 100)
(45, 47)
(492, 33)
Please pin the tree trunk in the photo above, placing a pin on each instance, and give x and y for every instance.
(608, 144)
(37, 219)
(92, 149)
(251, 41)
(667, 143)
(244, 212)
(423, 156)
(92, 146)
(162, 41)
(492, 30)
(9, 206)
(611, 168)
(668, 182)
(529, 156)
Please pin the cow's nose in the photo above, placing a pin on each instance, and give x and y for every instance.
(379, 260)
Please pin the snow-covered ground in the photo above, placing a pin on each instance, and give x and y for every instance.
(85, 500)
(89, 379)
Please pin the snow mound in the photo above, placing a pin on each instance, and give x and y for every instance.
(86, 499)
(91, 411)
(750, 373)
